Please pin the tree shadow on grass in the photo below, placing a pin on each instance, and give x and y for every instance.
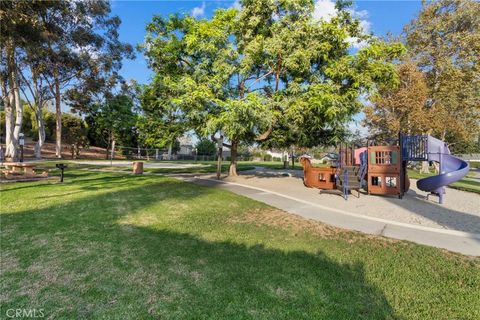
(80, 260)
(76, 178)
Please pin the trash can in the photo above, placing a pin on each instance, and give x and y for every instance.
(137, 167)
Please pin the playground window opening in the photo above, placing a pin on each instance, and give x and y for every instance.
(391, 182)
(324, 177)
(376, 181)
(383, 157)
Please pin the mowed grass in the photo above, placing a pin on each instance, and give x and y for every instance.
(199, 168)
(117, 246)
(211, 166)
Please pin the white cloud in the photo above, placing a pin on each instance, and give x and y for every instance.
(365, 27)
(236, 5)
(199, 11)
(324, 9)
(362, 15)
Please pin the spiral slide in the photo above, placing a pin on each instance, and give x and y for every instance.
(452, 168)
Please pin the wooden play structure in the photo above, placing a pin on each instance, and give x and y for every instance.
(382, 170)
(375, 169)
(318, 177)
(385, 171)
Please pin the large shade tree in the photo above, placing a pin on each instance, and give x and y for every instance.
(19, 29)
(66, 51)
(444, 41)
(83, 54)
(401, 109)
(268, 70)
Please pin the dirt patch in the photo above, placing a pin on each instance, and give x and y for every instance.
(299, 225)
(280, 219)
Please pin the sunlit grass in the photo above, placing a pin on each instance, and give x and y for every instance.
(107, 245)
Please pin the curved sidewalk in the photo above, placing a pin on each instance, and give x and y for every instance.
(453, 240)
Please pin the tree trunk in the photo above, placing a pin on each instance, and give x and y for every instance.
(13, 130)
(233, 159)
(170, 151)
(7, 101)
(38, 108)
(41, 132)
(18, 108)
(58, 115)
(425, 167)
(113, 149)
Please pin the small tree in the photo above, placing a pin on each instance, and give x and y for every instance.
(115, 120)
(74, 134)
(206, 147)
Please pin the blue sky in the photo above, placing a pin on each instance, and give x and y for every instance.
(380, 17)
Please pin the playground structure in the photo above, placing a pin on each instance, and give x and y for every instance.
(382, 170)
(318, 177)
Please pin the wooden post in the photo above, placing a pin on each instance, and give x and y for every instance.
(219, 158)
(137, 167)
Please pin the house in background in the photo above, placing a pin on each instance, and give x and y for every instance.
(330, 158)
(186, 150)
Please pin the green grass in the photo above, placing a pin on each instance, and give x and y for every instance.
(241, 166)
(466, 184)
(474, 164)
(208, 166)
(107, 245)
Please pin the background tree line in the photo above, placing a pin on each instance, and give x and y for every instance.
(67, 52)
(439, 90)
(268, 74)
(95, 130)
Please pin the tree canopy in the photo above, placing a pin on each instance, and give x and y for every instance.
(62, 50)
(444, 41)
(265, 71)
(401, 109)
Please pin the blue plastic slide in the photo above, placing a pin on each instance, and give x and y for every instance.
(451, 168)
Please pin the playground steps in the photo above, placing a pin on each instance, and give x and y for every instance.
(353, 182)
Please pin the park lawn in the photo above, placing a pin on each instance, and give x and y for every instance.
(207, 166)
(466, 184)
(110, 245)
(212, 166)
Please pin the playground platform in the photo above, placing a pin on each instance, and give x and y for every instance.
(454, 226)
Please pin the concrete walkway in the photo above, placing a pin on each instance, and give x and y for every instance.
(454, 240)
(301, 203)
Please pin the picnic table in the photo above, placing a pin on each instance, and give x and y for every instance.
(20, 167)
(21, 170)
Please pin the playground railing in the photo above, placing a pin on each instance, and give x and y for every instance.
(414, 148)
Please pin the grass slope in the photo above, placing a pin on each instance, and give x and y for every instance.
(106, 245)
